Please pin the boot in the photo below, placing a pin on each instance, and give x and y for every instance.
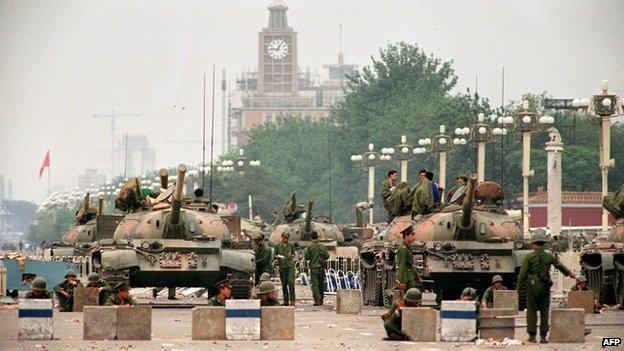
(543, 339)
(530, 340)
(292, 302)
(321, 302)
(316, 303)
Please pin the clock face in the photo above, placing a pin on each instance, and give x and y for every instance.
(277, 49)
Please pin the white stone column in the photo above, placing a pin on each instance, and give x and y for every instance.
(554, 149)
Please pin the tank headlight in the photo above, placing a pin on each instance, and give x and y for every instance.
(519, 245)
(437, 246)
(145, 245)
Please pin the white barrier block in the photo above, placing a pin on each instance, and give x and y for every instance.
(35, 319)
(242, 319)
(459, 320)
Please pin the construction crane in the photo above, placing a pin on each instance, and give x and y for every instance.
(113, 115)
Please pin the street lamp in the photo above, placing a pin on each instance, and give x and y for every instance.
(441, 144)
(601, 107)
(240, 164)
(369, 159)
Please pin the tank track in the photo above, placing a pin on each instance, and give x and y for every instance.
(241, 288)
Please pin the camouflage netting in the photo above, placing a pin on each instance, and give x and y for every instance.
(614, 203)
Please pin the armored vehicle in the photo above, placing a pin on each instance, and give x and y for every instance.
(456, 246)
(603, 263)
(171, 241)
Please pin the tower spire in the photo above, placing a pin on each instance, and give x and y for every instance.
(340, 53)
(277, 15)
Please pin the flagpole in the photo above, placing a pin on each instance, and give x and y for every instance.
(49, 171)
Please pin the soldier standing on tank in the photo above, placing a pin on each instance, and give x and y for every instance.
(121, 296)
(225, 291)
(534, 274)
(405, 272)
(264, 259)
(94, 281)
(393, 319)
(316, 254)
(266, 290)
(487, 300)
(65, 291)
(39, 290)
(285, 252)
(387, 188)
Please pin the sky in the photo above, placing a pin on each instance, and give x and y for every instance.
(62, 62)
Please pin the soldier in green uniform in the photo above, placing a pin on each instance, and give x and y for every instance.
(487, 300)
(121, 296)
(225, 291)
(39, 290)
(267, 294)
(392, 319)
(405, 272)
(94, 281)
(285, 252)
(387, 188)
(581, 285)
(316, 254)
(264, 257)
(534, 274)
(65, 291)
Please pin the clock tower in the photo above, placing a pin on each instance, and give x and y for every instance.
(277, 54)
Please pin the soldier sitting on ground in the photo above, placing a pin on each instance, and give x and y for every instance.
(487, 300)
(65, 291)
(121, 296)
(265, 277)
(393, 318)
(225, 291)
(39, 290)
(266, 290)
(581, 285)
(94, 281)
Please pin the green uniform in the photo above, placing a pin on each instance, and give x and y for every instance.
(386, 191)
(66, 303)
(287, 270)
(405, 271)
(316, 254)
(113, 299)
(488, 296)
(264, 260)
(39, 294)
(106, 289)
(422, 197)
(269, 302)
(216, 301)
(534, 273)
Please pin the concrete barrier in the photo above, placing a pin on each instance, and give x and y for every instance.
(567, 325)
(420, 323)
(99, 323)
(277, 323)
(134, 323)
(242, 319)
(582, 299)
(35, 319)
(208, 323)
(496, 323)
(459, 320)
(85, 297)
(349, 301)
(506, 299)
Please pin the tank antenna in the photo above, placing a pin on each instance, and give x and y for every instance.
(212, 128)
(203, 166)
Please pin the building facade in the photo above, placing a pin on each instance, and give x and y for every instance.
(279, 88)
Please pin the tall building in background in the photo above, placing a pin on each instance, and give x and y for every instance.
(9, 191)
(279, 88)
(90, 176)
(2, 193)
(136, 155)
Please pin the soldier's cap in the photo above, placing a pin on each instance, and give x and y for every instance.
(581, 278)
(258, 237)
(497, 278)
(413, 295)
(38, 284)
(93, 277)
(223, 284)
(407, 231)
(469, 292)
(538, 238)
(266, 287)
(265, 277)
(123, 286)
(286, 234)
(70, 273)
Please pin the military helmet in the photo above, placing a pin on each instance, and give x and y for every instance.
(407, 231)
(469, 292)
(38, 284)
(70, 272)
(223, 284)
(581, 278)
(123, 286)
(265, 277)
(93, 277)
(286, 234)
(257, 237)
(266, 287)
(538, 238)
(497, 278)
(413, 295)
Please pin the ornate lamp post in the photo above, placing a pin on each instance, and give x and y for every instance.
(601, 107)
(369, 159)
(240, 164)
(441, 144)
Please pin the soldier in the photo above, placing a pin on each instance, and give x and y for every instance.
(65, 291)
(225, 291)
(121, 296)
(487, 300)
(387, 188)
(436, 190)
(581, 285)
(468, 294)
(316, 254)
(285, 252)
(392, 319)
(534, 274)
(267, 294)
(39, 290)
(459, 188)
(94, 281)
(406, 275)
(264, 259)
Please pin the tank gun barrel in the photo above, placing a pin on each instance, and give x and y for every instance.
(177, 195)
(466, 219)
(164, 178)
(100, 204)
(86, 202)
(308, 223)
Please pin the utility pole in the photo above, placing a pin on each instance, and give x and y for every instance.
(112, 116)
(224, 129)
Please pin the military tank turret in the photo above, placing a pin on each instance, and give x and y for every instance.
(602, 263)
(171, 241)
(456, 246)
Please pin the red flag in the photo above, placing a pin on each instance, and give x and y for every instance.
(46, 163)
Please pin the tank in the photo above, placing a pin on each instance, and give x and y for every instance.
(171, 241)
(602, 263)
(456, 246)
